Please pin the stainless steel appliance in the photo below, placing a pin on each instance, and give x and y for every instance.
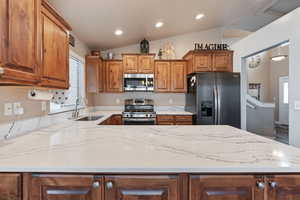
(139, 112)
(138, 82)
(214, 98)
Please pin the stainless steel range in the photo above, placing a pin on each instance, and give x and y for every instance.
(139, 112)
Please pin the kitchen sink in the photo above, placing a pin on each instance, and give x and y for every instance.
(90, 118)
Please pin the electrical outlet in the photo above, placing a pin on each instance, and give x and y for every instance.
(8, 109)
(297, 105)
(170, 101)
(18, 110)
(118, 101)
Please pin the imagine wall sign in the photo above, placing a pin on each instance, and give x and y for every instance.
(199, 47)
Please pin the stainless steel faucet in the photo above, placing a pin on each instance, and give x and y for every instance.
(75, 113)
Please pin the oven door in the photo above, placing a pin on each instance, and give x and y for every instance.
(139, 121)
(138, 82)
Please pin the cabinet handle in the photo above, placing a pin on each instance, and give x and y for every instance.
(260, 185)
(96, 184)
(273, 184)
(109, 185)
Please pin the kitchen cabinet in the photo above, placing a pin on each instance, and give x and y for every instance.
(138, 63)
(95, 74)
(170, 76)
(174, 119)
(114, 76)
(66, 187)
(142, 187)
(55, 49)
(207, 61)
(239, 187)
(130, 63)
(162, 76)
(20, 42)
(178, 77)
(10, 187)
(113, 120)
(283, 187)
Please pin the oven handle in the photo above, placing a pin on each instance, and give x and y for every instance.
(139, 120)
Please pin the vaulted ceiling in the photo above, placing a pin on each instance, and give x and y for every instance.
(95, 21)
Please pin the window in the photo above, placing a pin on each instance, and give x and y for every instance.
(286, 93)
(76, 90)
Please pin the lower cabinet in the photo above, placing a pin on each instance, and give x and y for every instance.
(113, 120)
(66, 187)
(174, 119)
(141, 187)
(10, 187)
(226, 187)
(283, 187)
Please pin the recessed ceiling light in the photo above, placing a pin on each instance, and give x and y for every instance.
(199, 16)
(279, 58)
(159, 24)
(118, 32)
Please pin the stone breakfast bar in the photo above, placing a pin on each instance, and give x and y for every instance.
(81, 160)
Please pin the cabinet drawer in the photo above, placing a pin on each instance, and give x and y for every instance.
(165, 118)
(184, 123)
(166, 123)
(183, 118)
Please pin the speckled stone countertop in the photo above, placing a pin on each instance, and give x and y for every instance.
(86, 147)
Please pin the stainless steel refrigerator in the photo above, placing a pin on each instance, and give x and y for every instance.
(214, 98)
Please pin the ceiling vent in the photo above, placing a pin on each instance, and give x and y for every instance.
(278, 8)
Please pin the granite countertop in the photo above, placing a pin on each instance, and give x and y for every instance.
(86, 147)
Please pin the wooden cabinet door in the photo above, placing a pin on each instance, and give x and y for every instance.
(225, 188)
(91, 73)
(162, 77)
(55, 70)
(66, 187)
(141, 187)
(222, 62)
(146, 64)
(130, 63)
(284, 187)
(202, 62)
(114, 76)
(19, 30)
(178, 77)
(190, 63)
(101, 76)
(10, 187)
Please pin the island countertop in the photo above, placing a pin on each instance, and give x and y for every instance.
(86, 147)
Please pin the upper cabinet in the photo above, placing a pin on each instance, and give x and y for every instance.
(206, 61)
(170, 76)
(138, 63)
(34, 48)
(20, 42)
(95, 74)
(55, 49)
(114, 76)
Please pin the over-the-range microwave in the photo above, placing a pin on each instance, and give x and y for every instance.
(139, 82)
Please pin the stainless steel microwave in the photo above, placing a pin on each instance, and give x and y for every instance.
(138, 82)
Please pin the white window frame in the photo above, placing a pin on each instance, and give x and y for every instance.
(72, 54)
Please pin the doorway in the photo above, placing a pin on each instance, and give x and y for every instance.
(267, 93)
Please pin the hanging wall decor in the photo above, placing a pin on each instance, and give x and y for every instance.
(144, 46)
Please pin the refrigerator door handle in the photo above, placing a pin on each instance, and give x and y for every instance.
(215, 106)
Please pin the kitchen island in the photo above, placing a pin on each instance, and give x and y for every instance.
(83, 160)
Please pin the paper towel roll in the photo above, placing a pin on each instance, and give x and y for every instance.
(40, 95)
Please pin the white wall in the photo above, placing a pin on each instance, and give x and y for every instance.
(181, 43)
(285, 28)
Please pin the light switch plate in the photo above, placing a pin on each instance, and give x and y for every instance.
(297, 105)
(44, 106)
(18, 110)
(8, 109)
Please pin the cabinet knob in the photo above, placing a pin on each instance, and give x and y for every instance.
(109, 185)
(273, 184)
(260, 185)
(96, 184)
